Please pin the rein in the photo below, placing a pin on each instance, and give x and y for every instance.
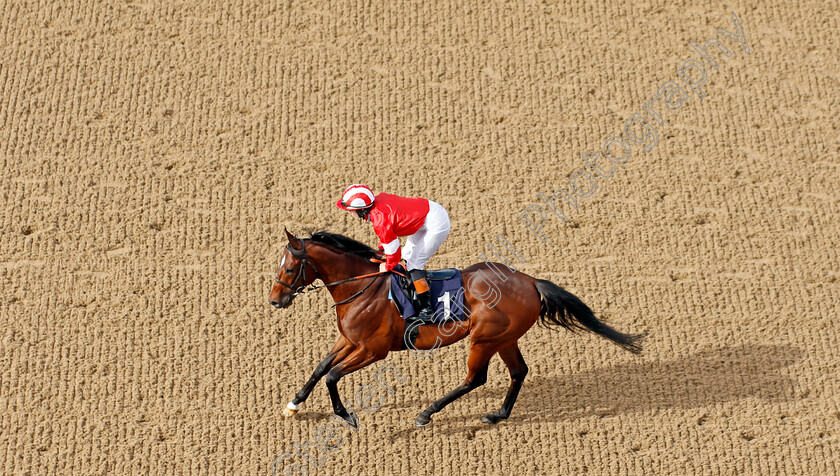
(301, 254)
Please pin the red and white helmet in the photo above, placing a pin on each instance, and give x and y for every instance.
(355, 197)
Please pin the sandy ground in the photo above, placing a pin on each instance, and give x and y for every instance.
(153, 152)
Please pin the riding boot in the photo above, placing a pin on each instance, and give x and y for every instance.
(424, 295)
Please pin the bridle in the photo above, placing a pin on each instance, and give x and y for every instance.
(301, 275)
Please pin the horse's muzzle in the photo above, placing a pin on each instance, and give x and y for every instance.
(281, 302)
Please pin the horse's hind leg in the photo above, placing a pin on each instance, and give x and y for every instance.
(518, 370)
(339, 351)
(476, 376)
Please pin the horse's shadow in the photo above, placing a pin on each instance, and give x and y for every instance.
(690, 381)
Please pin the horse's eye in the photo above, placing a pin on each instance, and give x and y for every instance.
(290, 270)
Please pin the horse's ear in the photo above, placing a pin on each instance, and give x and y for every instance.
(293, 240)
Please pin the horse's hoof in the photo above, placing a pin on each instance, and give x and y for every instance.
(492, 418)
(291, 409)
(422, 420)
(352, 420)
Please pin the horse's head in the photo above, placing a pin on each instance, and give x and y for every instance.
(295, 272)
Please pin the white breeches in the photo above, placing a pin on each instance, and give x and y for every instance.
(420, 246)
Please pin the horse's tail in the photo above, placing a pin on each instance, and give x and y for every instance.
(562, 308)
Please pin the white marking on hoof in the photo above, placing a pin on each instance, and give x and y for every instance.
(291, 409)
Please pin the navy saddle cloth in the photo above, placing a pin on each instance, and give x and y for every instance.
(447, 294)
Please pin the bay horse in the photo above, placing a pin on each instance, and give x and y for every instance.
(370, 325)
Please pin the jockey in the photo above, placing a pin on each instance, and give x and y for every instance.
(424, 222)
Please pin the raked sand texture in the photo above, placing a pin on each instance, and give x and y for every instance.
(152, 153)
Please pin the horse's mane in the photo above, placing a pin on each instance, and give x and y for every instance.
(344, 243)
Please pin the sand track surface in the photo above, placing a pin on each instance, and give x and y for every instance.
(152, 152)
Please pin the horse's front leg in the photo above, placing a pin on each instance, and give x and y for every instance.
(359, 358)
(339, 352)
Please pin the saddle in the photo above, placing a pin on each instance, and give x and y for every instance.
(407, 287)
(441, 274)
(447, 291)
